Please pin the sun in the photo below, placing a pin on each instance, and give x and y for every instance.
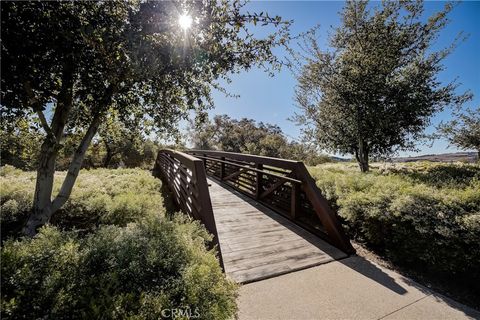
(185, 21)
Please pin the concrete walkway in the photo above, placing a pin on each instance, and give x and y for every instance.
(352, 288)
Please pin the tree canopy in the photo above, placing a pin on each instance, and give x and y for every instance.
(72, 63)
(464, 130)
(252, 137)
(375, 90)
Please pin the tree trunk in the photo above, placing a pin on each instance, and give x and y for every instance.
(108, 156)
(79, 155)
(44, 208)
(48, 154)
(361, 155)
(43, 187)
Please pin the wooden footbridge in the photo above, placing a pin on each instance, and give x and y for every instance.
(266, 214)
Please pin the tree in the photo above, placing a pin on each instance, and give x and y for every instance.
(244, 135)
(19, 143)
(247, 136)
(120, 139)
(73, 62)
(464, 130)
(376, 90)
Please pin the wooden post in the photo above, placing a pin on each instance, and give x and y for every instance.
(258, 180)
(222, 168)
(295, 201)
(328, 218)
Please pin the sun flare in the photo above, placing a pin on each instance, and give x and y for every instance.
(185, 21)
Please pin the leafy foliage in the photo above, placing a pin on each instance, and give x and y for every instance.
(420, 214)
(140, 271)
(109, 253)
(248, 136)
(374, 93)
(464, 131)
(114, 146)
(20, 142)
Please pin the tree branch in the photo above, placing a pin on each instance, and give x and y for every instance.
(44, 123)
(76, 164)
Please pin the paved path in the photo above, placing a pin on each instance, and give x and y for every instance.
(352, 288)
(258, 243)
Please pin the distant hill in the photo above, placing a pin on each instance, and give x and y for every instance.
(444, 157)
(338, 159)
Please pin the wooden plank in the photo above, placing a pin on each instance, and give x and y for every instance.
(303, 254)
(258, 243)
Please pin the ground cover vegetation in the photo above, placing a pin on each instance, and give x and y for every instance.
(423, 216)
(113, 252)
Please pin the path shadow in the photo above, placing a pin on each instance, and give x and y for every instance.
(373, 272)
(467, 310)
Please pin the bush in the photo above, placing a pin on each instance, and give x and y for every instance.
(100, 196)
(109, 253)
(142, 271)
(424, 215)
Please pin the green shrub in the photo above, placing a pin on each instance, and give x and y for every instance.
(109, 253)
(100, 196)
(419, 214)
(141, 271)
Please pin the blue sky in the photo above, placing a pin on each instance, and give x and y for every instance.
(268, 99)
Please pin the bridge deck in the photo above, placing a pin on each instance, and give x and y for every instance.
(257, 243)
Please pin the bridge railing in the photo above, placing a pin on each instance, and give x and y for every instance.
(187, 180)
(285, 186)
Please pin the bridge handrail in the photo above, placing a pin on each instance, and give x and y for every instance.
(296, 184)
(253, 169)
(186, 178)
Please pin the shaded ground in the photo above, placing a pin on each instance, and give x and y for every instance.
(453, 288)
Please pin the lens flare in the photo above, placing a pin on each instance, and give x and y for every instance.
(185, 21)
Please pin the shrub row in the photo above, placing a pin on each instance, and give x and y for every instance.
(100, 196)
(420, 214)
(132, 263)
(143, 271)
